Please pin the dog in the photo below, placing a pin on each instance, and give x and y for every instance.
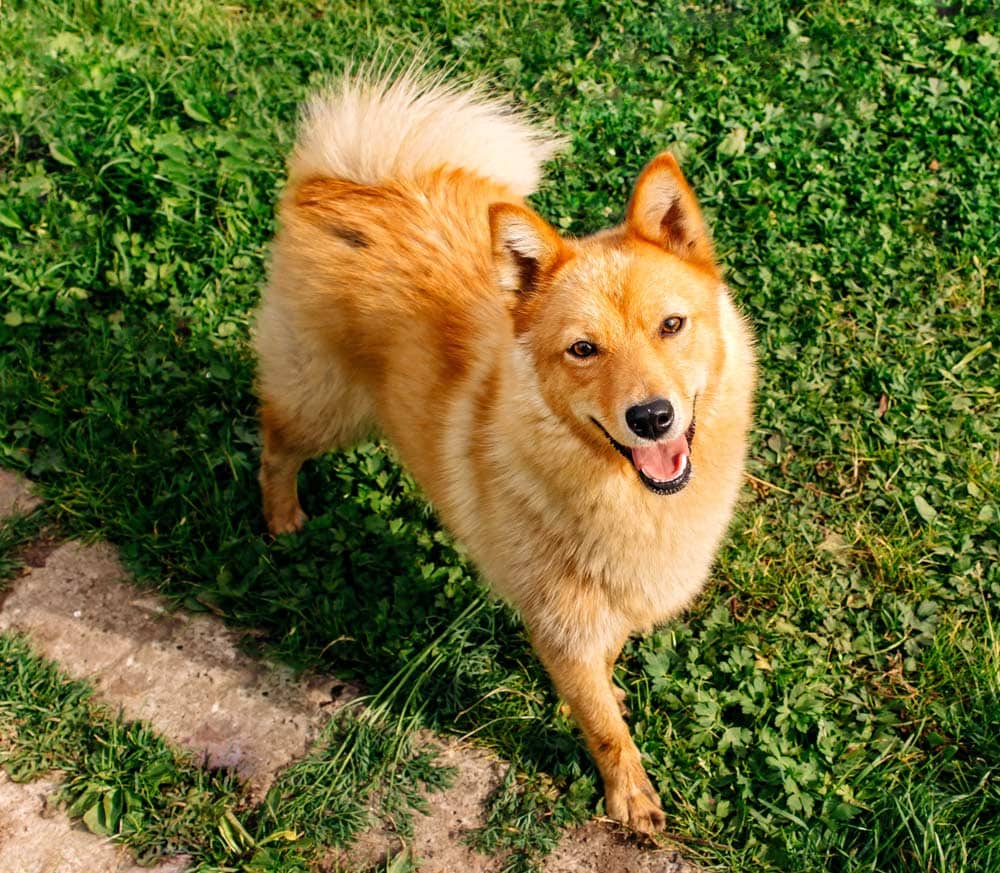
(576, 410)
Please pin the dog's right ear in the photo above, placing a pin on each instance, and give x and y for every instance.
(525, 246)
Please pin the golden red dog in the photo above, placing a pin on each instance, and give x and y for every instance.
(575, 409)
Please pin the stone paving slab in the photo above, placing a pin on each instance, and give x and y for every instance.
(439, 842)
(15, 495)
(36, 837)
(183, 674)
(440, 839)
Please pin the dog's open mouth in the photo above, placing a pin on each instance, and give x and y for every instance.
(664, 467)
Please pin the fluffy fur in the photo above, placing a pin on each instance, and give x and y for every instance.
(378, 125)
(413, 293)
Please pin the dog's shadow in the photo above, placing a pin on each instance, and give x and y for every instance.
(166, 436)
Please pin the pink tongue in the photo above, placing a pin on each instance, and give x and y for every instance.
(662, 461)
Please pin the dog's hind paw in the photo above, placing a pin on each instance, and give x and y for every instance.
(288, 522)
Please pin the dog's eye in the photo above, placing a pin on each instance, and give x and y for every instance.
(672, 325)
(582, 349)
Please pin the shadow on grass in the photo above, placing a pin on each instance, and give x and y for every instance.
(149, 436)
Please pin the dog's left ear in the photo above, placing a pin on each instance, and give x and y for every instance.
(525, 246)
(664, 211)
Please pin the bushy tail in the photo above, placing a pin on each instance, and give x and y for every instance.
(378, 124)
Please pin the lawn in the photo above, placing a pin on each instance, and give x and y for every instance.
(832, 702)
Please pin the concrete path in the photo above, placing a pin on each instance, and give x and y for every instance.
(15, 495)
(37, 837)
(184, 674)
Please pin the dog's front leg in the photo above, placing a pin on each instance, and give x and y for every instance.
(583, 683)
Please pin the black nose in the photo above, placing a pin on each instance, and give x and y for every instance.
(650, 420)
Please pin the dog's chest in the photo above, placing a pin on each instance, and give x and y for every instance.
(651, 565)
(645, 564)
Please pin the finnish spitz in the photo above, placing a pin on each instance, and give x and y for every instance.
(576, 410)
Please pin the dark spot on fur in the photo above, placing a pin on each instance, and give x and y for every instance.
(354, 238)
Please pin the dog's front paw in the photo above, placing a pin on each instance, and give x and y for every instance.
(636, 804)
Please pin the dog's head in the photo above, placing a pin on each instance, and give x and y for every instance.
(621, 329)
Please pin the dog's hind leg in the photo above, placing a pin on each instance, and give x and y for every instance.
(293, 433)
(309, 405)
(616, 690)
(280, 460)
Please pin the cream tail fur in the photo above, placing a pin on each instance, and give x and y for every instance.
(377, 124)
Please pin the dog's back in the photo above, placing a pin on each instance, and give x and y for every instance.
(381, 284)
(385, 214)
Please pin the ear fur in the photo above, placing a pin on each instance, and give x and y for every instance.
(524, 246)
(664, 211)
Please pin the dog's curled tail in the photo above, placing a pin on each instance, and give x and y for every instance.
(378, 124)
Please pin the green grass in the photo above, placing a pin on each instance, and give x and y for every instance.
(832, 702)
